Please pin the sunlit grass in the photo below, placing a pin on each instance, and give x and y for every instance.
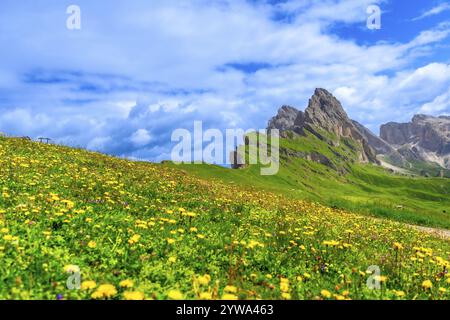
(140, 230)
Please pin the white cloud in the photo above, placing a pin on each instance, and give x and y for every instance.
(434, 73)
(131, 76)
(439, 105)
(141, 138)
(445, 6)
(431, 36)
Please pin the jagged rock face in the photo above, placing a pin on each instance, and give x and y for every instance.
(425, 138)
(432, 133)
(285, 119)
(381, 147)
(324, 112)
(396, 133)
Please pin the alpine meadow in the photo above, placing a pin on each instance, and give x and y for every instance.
(224, 157)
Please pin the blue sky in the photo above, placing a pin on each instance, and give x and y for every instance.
(139, 69)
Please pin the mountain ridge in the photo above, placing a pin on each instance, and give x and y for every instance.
(422, 144)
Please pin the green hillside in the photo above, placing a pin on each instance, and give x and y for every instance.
(137, 230)
(345, 183)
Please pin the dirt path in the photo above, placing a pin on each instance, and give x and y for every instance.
(441, 233)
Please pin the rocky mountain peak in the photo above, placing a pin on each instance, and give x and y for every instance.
(425, 138)
(323, 107)
(324, 112)
(285, 118)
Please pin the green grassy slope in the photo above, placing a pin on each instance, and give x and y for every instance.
(137, 230)
(363, 188)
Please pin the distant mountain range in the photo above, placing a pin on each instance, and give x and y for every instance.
(421, 146)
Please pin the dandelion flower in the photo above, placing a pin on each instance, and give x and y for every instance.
(175, 295)
(205, 296)
(133, 295)
(8, 237)
(92, 244)
(230, 289)
(104, 291)
(399, 294)
(398, 246)
(326, 294)
(427, 284)
(126, 283)
(134, 239)
(88, 285)
(286, 296)
(228, 296)
(204, 280)
(284, 285)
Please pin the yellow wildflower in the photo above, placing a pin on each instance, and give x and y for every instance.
(126, 283)
(286, 296)
(204, 280)
(175, 295)
(427, 284)
(230, 289)
(205, 296)
(326, 294)
(133, 295)
(104, 291)
(88, 285)
(399, 294)
(134, 239)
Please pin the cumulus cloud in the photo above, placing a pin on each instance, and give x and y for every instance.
(135, 72)
(141, 137)
(440, 105)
